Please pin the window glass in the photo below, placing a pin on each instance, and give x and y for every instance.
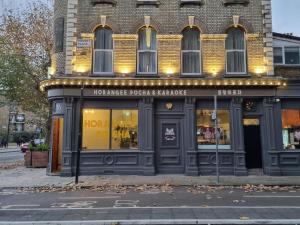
(206, 129)
(191, 51)
(291, 55)
(103, 53)
(278, 55)
(124, 129)
(147, 51)
(235, 51)
(291, 128)
(95, 133)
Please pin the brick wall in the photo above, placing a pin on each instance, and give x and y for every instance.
(168, 19)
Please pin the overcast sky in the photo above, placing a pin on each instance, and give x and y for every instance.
(286, 16)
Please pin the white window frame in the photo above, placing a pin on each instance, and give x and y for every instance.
(112, 60)
(200, 62)
(282, 54)
(138, 62)
(245, 58)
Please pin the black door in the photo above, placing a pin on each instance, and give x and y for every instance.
(169, 155)
(253, 146)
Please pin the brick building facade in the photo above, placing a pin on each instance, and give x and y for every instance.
(145, 73)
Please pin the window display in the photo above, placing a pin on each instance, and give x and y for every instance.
(124, 129)
(206, 129)
(291, 128)
(105, 129)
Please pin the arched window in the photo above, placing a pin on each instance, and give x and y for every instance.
(147, 51)
(235, 51)
(190, 52)
(103, 51)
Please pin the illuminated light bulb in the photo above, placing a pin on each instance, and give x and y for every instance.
(210, 83)
(174, 83)
(159, 83)
(240, 83)
(218, 83)
(181, 83)
(271, 83)
(263, 83)
(203, 83)
(284, 84)
(196, 82)
(248, 83)
(225, 83)
(71, 82)
(278, 83)
(108, 83)
(255, 83)
(152, 83)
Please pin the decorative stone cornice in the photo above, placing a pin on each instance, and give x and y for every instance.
(159, 82)
(125, 36)
(207, 37)
(169, 36)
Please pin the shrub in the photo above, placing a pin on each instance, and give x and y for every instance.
(39, 148)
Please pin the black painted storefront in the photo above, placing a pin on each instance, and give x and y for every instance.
(181, 155)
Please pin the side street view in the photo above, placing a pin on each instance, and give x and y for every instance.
(149, 112)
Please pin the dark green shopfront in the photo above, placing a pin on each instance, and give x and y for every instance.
(163, 129)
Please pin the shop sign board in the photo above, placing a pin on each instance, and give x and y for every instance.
(84, 43)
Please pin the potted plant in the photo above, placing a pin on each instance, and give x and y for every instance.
(37, 156)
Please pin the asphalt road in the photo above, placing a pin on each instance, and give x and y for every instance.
(11, 155)
(180, 206)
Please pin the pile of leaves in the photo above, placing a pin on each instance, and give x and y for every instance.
(10, 166)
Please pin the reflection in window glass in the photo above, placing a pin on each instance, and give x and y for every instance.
(95, 133)
(292, 55)
(291, 128)
(124, 129)
(278, 55)
(206, 129)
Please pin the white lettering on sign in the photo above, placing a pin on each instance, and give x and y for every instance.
(81, 43)
(139, 92)
(230, 92)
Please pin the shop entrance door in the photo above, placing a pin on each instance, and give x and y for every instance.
(169, 139)
(57, 144)
(252, 140)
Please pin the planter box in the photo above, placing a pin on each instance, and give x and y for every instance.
(36, 159)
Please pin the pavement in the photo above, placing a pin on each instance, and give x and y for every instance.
(30, 177)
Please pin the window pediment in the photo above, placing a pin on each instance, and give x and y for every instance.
(190, 2)
(99, 2)
(235, 2)
(147, 2)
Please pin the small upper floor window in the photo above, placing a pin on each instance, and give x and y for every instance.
(288, 55)
(235, 51)
(147, 51)
(191, 53)
(103, 51)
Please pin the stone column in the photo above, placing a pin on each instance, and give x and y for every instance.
(71, 34)
(237, 137)
(270, 154)
(146, 135)
(68, 137)
(268, 36)
(190, 142)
